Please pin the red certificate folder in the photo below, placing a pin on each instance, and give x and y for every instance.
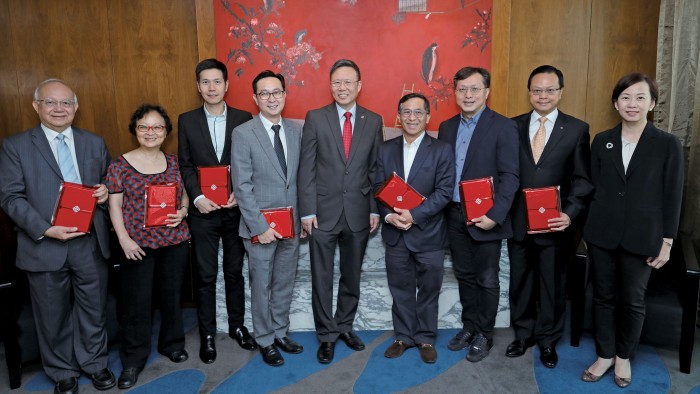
(542, 204)
(280, 219)
(75, 206)
(161, 200)
(215, 183)
(477, 197)
(396, 193)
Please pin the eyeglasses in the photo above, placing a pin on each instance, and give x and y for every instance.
(52, 103)
(339, 83)
(472, 90)
(406, 113)
(549, 92)
(157, 128)
(266, 95)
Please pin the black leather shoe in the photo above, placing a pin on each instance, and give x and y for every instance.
(461, 340)
(326, 352)
(548, 356)
(103, 380)
(128, 378)
(66, 386)
(352, 340)
(271, 356)
(242, 336)
(178, 356)
(288, 345)
(207, 349)
(518, 347)
(479, 348)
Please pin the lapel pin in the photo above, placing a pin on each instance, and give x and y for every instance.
(362, 117)
(609, 145)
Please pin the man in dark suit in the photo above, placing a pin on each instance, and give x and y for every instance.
(486, 145)
(336, 205)
(204, 139)
(415, 239)
(66, 269)
(264, 163)
(554, 151)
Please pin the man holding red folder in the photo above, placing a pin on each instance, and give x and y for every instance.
(415, 238)
(554, 151)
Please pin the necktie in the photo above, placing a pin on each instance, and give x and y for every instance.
(279, 150)
(347, 134)
(65, 161)
(538, 140)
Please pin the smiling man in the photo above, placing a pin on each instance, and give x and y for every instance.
(416, 239)
(554, 151)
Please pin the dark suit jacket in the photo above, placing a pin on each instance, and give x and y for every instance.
(195, 147)
(29, 182)
(328, 184)
(493, 151)
(432, 175)
(638, 209)
(565, 162)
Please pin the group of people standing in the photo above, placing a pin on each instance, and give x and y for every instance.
(625, 190)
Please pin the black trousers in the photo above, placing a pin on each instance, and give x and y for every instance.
(619, 283)
(538, 278)
(163, 268)
(476, 266)
(206, 232)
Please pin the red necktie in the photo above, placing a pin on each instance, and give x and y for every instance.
(347, 134)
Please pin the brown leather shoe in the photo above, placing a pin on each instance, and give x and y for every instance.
(622, 382)
(427, 353)
(396, 349)
(590, 378)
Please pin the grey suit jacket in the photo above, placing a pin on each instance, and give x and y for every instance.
(329, 184)
(29, 182)
(257, 177)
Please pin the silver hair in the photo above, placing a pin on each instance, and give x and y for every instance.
(51, 80)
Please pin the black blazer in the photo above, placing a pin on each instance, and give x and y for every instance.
(638, 209)
(493, 151)
(195, 147)
(565, 162)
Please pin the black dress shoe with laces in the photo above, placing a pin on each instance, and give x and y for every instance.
(352, 340)
(325, 353)
(103, 380)
(461, 340)
(243, 337)
(518, 347)
(128, 378)
(207, 349)
(288, 345)
(548, 356)
(66, 386)
(479, 348)
(178, 356)
(271, 356)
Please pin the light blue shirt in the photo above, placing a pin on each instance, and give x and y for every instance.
(217, 130)
(464, 138)
(341, 116)
(70, 141)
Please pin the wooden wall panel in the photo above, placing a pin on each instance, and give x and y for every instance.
(206, 34)
(12, 102)
(623, 40)
(500, 56)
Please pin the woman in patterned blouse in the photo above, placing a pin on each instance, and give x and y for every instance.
(155, 256)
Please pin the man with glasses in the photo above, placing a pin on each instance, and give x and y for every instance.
(554, 151)
(485, 145)
(264, 163)
(336, 204)
(204, 139)
(66, 269)
(416, 239)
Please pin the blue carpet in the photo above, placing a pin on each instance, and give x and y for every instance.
(383, 375)
(42, 382)
(649, 373)
(257, 377)
(186, 381)
(694, 390)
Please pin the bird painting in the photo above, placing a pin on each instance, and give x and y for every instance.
(429, 63)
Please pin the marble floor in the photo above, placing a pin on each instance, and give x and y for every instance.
(374, 311)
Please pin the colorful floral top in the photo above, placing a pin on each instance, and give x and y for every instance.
(123, 178)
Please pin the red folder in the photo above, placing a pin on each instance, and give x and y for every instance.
(161, 200)
(215, 183)
(396, 193)
(542, 204)
(281, 220)
(476, 196)
(75, 206)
